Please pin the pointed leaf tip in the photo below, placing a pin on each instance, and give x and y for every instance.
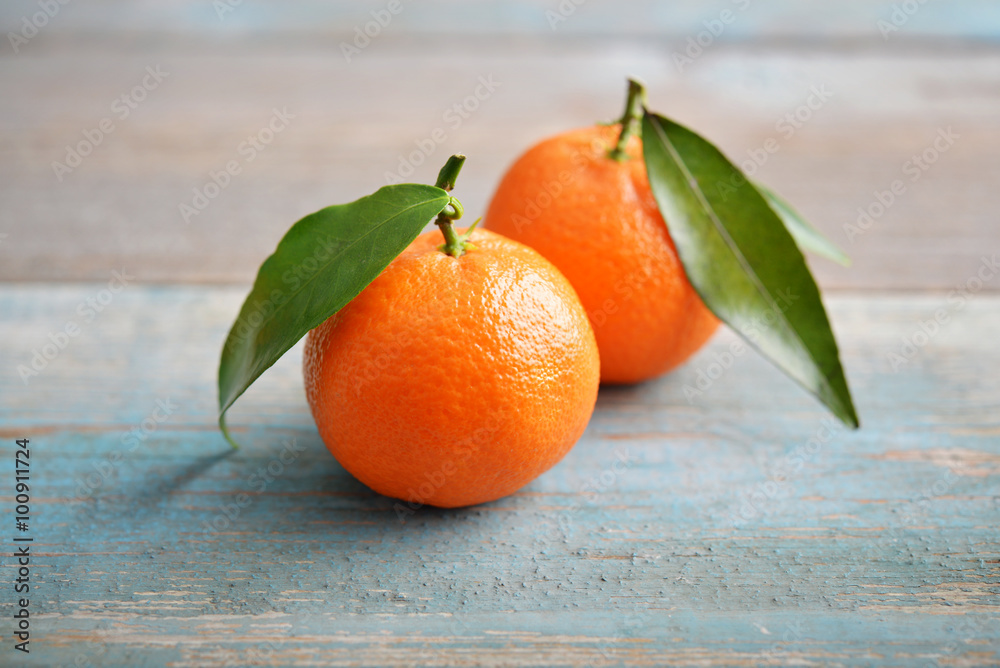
(742, 260)
(322, 263)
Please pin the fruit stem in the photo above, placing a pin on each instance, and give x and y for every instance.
(455, 244)
(634, 105)
(449, 173)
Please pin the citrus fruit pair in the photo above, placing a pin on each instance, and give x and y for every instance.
(456, 378)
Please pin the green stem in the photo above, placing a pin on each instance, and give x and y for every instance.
(455, 244)
(634, 105)
(449, 173)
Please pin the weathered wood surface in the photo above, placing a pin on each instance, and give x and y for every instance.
(739, 530)
(855, 20)
(355, 121)
(734, 532)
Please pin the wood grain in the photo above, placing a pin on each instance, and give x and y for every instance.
(356, 121)
(802, 20)
(714, 517)
(742, 528)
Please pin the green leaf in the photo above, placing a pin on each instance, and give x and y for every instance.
(806, 236)
(323, 262)
(742, 261)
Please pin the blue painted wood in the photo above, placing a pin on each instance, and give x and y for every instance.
(740, 530)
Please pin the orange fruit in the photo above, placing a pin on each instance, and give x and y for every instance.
(452, 381)
(596, 220)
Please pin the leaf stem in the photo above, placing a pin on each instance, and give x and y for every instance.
(455, 244)
(634, 104)
(449, 173)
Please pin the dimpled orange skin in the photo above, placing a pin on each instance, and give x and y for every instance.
(596, 220)
(454, 381)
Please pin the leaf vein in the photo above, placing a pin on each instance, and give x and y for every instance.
(730, 242)
(335, 257)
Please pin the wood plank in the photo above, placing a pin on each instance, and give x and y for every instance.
(355, 122)
(805, 20)
(738, 533)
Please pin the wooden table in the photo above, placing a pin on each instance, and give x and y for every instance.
(739, 526)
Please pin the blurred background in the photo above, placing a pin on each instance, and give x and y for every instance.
(177, 140)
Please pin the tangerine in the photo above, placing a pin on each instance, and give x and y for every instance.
(452, 381)
(595, 218)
